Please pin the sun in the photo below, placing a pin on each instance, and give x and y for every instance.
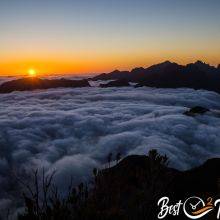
(32, 72)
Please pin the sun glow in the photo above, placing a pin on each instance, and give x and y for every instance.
(32, 72)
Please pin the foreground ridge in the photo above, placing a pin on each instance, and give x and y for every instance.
(128, 190)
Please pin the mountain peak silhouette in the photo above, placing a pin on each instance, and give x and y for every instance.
(198, 75)
(115, 71)
(202, 66)
(199, 62)
(166, 62)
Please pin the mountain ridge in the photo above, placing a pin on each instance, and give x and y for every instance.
(29, 84)
(199, 64)
(198, 75)
(131, 189)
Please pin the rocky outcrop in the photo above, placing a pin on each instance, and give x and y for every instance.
(116, 83)
(197, 110)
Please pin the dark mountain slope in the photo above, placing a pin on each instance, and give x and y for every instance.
(137, 183)
(112, 75)
(131, 189)
(197, 75)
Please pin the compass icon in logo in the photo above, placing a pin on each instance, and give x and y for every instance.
(195, 208)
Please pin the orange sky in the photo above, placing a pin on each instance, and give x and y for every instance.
(61, 37)
(47, 61)
(63, 56)
(91, 64)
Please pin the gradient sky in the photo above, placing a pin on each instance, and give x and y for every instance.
(84, 36)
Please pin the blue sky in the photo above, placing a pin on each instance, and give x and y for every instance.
(106, 33)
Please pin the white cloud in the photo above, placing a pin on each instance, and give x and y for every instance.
(73, 130)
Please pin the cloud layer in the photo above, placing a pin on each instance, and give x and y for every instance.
(73, 130)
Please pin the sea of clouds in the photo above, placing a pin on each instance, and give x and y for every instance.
(73, 130)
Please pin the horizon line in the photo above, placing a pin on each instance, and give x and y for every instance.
(92, 73)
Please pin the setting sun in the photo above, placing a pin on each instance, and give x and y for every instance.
(32, 72)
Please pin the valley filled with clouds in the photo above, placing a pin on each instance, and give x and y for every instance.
(73, 130)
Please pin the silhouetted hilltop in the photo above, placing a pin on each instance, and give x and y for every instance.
(37, 83)
(196, 75)
(116, 74)
(196, 111)
(206, 67)
(131, 190)
(200, 180)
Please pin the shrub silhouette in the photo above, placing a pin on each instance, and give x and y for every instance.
(109, 158)
(127, 191)
(118, 157)
(105, 199)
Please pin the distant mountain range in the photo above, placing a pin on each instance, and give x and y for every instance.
(37, 83)
(198, 75)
